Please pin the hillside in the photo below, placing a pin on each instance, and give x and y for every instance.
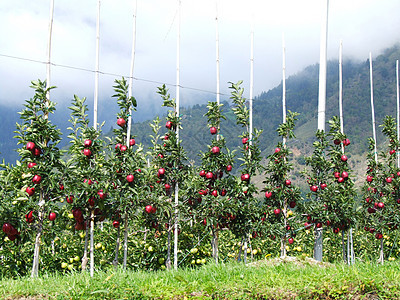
(301, 95)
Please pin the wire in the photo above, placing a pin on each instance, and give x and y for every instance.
(109, 74)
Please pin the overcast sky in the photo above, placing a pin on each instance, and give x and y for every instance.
(363, 25)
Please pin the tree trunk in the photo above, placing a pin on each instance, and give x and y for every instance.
(85, 258)
(318, 244)
(240, 250)
(214, 244)
(125, 240)
(115, 261)
(168, 262)
(91, 243)
(344, 248)
(36, 255)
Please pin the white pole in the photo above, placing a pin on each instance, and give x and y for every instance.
(321, 105)
(341, 85)
(178, 45)
(217, 51)
(96, 78)
(322, 67)
(128, 132)
(283, 83)
(49, 48)
(251, 84)
(398, 110)
(372, 105)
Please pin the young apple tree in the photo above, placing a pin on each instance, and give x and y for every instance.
(40, 166)
(87, 182)
(280, 193)
(214, 209)
(381, 189)
(126, 163)
(245, 205)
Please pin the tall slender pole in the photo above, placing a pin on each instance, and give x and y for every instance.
(96, 76)
(128, 133)
(321, 105)
(283, 83)
(341, 87)
(217, 51)
(178, 45)
(96, 95)
(49, 48)
(251, 84)
(398, 110)
(372, 105)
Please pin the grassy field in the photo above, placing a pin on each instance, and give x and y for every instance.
(270, 279)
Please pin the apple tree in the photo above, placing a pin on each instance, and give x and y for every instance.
(381, 189)
(245, 205)
(40, 169)
(280, 194)
(126, 162)
(87, 183)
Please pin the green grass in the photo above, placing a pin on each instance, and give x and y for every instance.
(286, 280)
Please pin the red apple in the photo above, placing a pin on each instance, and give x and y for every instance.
(391, 152)
(161, 171)
(345, 174)
(336, 174)
(209, 175)
(336, 142)
(277, 150)
(123, 148)
(381, 205)
(31, 165)
(30, 191)
(245, 140)
(213, 130)
(288, 182)
(268, 194)
(389, 179)
(379, 235)
(116, 224)
(215, 193)
(37, 151)
(52, 216)
(215, 150)
(61, 187)
(290, 240)
(314, 188)
(245, 177)
(228, 168)
(7, 227)
(202, 173)
(91, 201)
(343, 158)
(168, 124)
(167, 186)
(149, 209)
(370, 178)
(118, 146)
(132, 142)
(87, 152)
(323, 186)
(336, 230)
(346, 142)
(340, 179)
(87, 143)
(318, 225)
(130, 178)
(37, 179)
(30, 146)
(121, 122)
(70, 199)
(101, 194)
(277, 211)
(371, 210)
(292, 204)
(223, 192)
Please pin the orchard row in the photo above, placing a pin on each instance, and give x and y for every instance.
(115, 180)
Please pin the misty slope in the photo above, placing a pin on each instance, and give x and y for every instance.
(301, 96)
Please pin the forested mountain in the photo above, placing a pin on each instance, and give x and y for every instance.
(301, 96)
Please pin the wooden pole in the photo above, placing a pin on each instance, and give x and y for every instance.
(398, 110)
(322, 105)
(178, 45)
(341, 87)
(96, 77)
(283, 83)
